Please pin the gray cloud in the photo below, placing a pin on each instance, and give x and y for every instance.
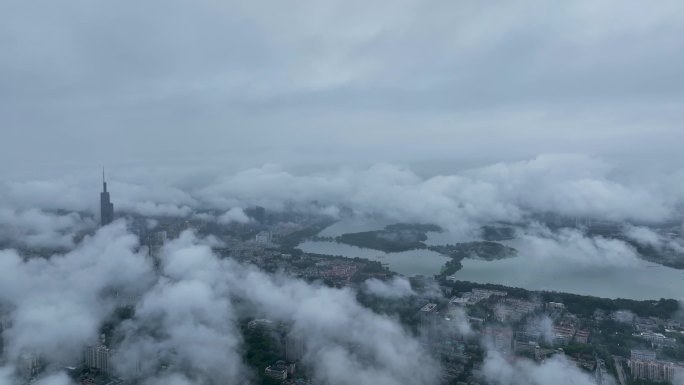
(252, 82)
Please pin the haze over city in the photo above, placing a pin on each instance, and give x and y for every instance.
(341, 192)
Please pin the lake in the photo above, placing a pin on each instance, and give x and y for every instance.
(645, 280)
(409, 263)
(641, 280)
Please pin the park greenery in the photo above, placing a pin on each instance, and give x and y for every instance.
(582, 305)
(392, 239)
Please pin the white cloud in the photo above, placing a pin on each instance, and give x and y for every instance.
(556, 370)
(74, 288)
(649, 237)
(55, 379)
(573, 247)
(235, 214)
(567, 185)
(36, 228)
(187, 320)
(398, 287)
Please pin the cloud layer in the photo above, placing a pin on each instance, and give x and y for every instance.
(565, 185)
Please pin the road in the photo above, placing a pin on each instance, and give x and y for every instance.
(620, 370)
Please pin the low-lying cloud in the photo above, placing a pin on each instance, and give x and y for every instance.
(398, 287)
(79, 289)
(186, 315)
(556, 370)
(573, 247)
(35, 228)
(564, 185)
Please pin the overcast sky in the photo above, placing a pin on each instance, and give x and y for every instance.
(244, 83)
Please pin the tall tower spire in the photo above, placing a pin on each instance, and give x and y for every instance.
(106, 206)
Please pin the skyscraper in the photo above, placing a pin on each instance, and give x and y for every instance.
(106, 206)
(97, 357)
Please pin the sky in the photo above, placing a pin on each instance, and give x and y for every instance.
(237, 84)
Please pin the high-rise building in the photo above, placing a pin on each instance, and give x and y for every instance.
(642, 355)
(652, 370)
(428, 314)
(106, 206)
(29, 365)
(263, 237)
(294, 346)
(257, 213)
(97, 357)
(279, 370)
